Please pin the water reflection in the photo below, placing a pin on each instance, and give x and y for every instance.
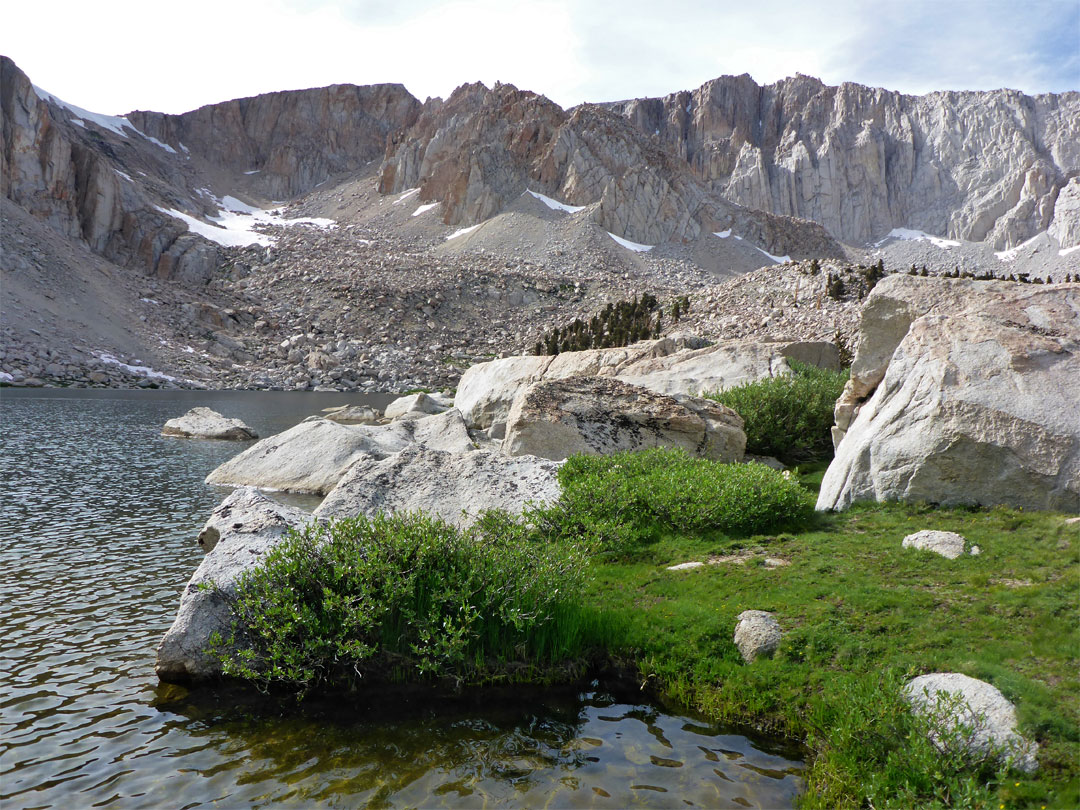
(99, 513)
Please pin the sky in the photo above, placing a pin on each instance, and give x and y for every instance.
(114, 56)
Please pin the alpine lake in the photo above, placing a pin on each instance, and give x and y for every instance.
(100, 514)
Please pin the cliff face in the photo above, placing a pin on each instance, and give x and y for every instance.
(481, 149)
(80, 181)
(293, 140)
(861, 161)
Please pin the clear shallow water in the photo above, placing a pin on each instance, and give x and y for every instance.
(99, 512)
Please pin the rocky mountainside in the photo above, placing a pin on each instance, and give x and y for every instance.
(481, 149)
(975, 166)
(416, 239)
(287, 143)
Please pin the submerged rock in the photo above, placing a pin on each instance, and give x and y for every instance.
(597, 416)
(757, 635)
(240, 531)
(204, 423)
(453, 486)
(972, 714)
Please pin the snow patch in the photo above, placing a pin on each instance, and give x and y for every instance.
(776, 259)
(555, 205)
(253, 171)
(637, 247)
(113, 123)
(230, 203)
(1011, 254)
(463, 231)
(909, 234)
(150, 301)
(125, 175)
(1067, 251)
(406, 194)
(423, 208)
(145, 371)
(5, 377)
(234, 225)
(155, 141)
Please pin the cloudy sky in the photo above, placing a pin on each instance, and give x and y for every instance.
(113, 56)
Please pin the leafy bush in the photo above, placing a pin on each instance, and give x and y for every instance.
(405, 597)
(617, 502)
(791, 416)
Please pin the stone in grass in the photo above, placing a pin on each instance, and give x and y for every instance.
(947, 544)
(972, 716)
(204, 423)
(757, 635)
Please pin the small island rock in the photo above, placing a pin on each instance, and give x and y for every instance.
(204, 423)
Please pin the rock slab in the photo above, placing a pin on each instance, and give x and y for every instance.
(204, 423)
(314, 455)
(757, 635)
(952, 701)
(962, 392)
(239, 533)
(456, 487)
(598, 416)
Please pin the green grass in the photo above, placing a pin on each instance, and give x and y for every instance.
(860, 615)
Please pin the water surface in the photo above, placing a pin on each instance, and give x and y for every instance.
(99, 515)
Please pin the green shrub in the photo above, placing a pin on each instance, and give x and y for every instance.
(791, 416)
(404, 598)
(617, 502)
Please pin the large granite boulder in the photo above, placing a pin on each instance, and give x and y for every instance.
(973, 715)
(312, 456)
(238, 534)
(453, 486)
(597, 416)
(962, 392)
(204, 423)
(669, 365)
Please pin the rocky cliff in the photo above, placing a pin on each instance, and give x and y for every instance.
(861, 161)
(481, 149)
(289, 141)
(78, 175)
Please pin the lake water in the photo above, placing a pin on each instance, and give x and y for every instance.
(99, 515)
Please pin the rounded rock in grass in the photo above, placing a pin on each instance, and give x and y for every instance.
(947, 544)
(970, 716)
(757, 635)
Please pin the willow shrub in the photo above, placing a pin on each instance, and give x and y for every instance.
(405, 598)
(615, 503)
(790, 416)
